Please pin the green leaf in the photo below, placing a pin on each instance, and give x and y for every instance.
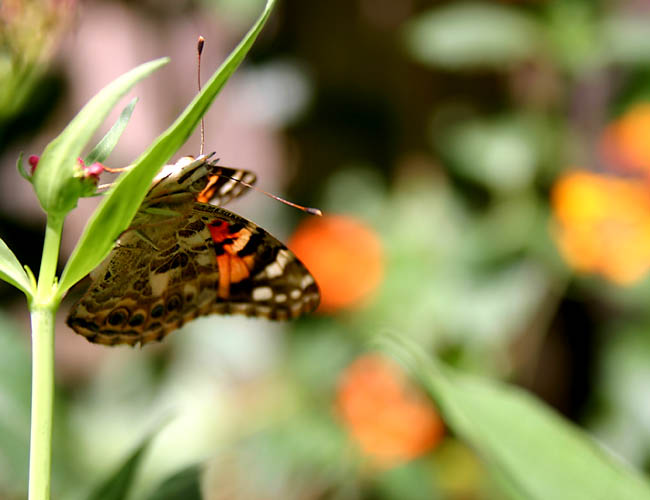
(21, 168)
(575, 42)
(109, 141)
(475, 35)
(117, 485)
(502, 153)
(120, 204)
(542, 455)
(184, 485)
(12, 272)
(54, 180)
(626, 39)
(412, 481)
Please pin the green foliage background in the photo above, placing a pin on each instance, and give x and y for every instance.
(442, 125)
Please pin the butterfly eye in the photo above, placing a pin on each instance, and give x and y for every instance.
(174, 302)
(118, 316)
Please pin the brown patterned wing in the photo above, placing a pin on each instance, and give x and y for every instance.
(209, 262)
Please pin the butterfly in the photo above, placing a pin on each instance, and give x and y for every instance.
(183, 257)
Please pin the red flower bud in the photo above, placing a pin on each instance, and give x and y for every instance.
(33, 162)
(94, 170)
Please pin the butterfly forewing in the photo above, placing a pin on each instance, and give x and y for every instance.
(169, 269)
(191, 179)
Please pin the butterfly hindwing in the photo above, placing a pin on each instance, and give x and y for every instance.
(173, 269)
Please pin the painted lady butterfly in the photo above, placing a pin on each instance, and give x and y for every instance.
(182, 258)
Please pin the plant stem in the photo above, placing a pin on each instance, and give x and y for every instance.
(45, 292)
(40, 449)
(43, 310)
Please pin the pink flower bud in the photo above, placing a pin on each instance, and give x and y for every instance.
(33, 162)
(94, 170)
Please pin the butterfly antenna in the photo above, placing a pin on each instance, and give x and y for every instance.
(309, 210)
(199, 50)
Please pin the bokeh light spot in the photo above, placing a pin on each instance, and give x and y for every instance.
(344, 255)
(603, 224)
(390, 419)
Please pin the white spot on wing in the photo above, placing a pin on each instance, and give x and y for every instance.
(195, 239)
(159, 283)
(306, 281)
(279, 298)
(295, 294)
(262, 293)
(277, 267)
(227, 187)
(283, 257)
(203, 259)
(273, 270)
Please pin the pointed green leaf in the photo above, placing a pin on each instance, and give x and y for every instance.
(109, 141)
(117, 486)
(185, 485)
(120, 204)
(541, 454)
(12, 271)
(21, 168)
(56, 187)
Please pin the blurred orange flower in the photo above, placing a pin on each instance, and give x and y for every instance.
(603, 224)
(388, 416)
(626, 141)
(344, 255)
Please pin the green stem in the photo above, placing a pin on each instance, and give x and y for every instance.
(45, 293)
(40, 449)
(43, 310)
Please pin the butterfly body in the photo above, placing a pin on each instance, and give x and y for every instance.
(182, 258)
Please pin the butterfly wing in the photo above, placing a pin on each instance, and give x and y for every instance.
(169, 272)
(199, 179)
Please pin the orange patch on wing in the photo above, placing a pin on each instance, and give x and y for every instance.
(219, 230)
(208, 191)
(232, 267)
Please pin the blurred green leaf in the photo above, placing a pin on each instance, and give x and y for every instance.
(542, 455)
(184, 485)
(502, 154)
(236, 13)
(120, 204)
(18, 81)
(413, 481)
(502, 302)
(118, 484)
(472, 35)
(291, 460)
(12, 272)
(573, 32)
(109, 141)
(622, 379)
(626, 39)
(319, 348)
(15, 380)
(56, 187)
